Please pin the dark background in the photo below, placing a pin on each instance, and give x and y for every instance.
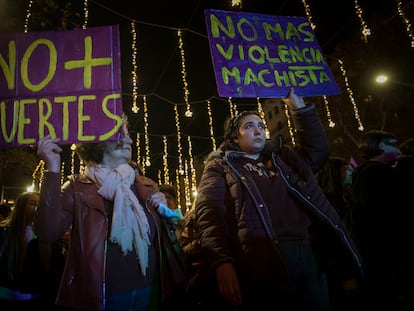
(338, 29)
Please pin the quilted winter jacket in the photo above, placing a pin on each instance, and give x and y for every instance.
(83, 281)
(233, 219)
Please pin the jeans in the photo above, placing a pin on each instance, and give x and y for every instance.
(136, 300)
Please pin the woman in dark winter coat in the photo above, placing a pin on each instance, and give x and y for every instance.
(266, 228)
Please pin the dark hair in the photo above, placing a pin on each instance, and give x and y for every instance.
(369, 144)
(407, 147)
(231, 128)
(169, 189)
(93, 152)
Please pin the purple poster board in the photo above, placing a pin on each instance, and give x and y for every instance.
(257, 55)
(63, 83)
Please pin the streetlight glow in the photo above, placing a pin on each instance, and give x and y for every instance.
(381, 79)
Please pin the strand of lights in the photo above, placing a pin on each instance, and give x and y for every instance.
(289, 123)
(236, 3)
(72, 158)
(28, 14)
(134, 68)
(328, 111)
(192, 169)
(62, 173)
(165, 161)
(364, 28)
(351, 96)
(188, 112)
(137, 144)
(187, 187)
(178, 187)
(408, 26)
(85, 14)
(180, 154)
(262, 115)
(233, 108)
(308, 14)
(37, 176)
(147, 161)
(210, 124)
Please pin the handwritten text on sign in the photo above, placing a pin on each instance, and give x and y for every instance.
(66, 84)
(257, 55)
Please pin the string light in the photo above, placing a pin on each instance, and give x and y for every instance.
(146, 139)
(178, 187)
(233, 108)
(187, 191)
(134, 68)
(236, 3)
(289, 123)
(364, 28)
(192, 169)
(37, 175)
(328, 112)
(351, 96)
(188, 112)
(210, 124)
(165, 161)
(262, 115)
(138, 145)
(408, 26)
(85, 14)
(28, 15)
(308, 14)
(62, 173)
(72, 158)
(180, 154)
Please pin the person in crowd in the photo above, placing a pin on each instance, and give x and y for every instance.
(335, 180)
(30, 270)
(119, 257)
(374, 218)
(172, 202)
(265, 226)
(5, 210)
(403, 235)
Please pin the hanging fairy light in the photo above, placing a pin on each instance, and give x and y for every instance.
(262, 115)
(236, 3)
(192, 169)
(308, 14)
(364, 28)
(408, 26)
(28, 15)
(138, 145)
(187, 191)
(210, 124)
(351, 96)
(165, 161)
(147, 161)
(134, 68)
(328, 112)
(180, 154)
(178, 187)
(289, 124)
(188, 112)
(233, 108)
(85, 14)
(37, 176)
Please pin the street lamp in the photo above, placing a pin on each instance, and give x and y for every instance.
(383, 79)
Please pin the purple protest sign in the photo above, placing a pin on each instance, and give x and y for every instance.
(63, 83)
(257, 55)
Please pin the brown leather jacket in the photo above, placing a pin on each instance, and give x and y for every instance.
(79, 205)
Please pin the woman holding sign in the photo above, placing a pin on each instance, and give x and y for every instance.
(119, 257)
(266, 229)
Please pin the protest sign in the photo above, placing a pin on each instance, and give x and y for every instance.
(63, 83)
(257, 55)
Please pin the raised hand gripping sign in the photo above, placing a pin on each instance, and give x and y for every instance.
(258, 55)
(63, 83)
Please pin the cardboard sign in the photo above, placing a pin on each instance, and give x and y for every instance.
(63, 83)
(257, 55)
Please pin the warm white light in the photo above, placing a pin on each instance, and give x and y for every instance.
(381, 79)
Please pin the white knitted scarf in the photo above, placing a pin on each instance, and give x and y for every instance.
(130, 227)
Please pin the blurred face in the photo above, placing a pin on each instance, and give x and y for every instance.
(251, 136)
(117, 153)
(32, 203)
